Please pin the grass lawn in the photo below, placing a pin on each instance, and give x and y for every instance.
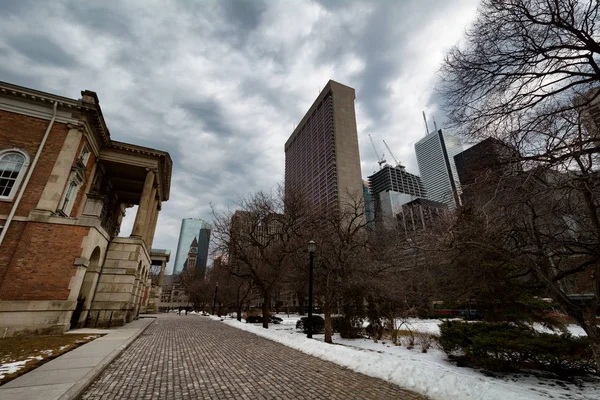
(21, 354)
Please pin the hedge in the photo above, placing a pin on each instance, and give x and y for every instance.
(510, 347)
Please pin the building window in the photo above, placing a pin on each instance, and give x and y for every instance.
(13, 164)
(84, 155)
(66, 204)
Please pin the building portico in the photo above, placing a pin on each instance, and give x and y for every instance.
(69, 215)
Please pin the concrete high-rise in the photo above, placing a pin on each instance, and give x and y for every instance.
(392, 187)
(322, 161)
(435, 156)
(192, 228)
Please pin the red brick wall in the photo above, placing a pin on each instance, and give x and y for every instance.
(42, 264)
(23, 132)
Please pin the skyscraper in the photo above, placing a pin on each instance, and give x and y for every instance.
(322, 161)
(192, 228)
(392, 187)
(481, 166)
(435, 156)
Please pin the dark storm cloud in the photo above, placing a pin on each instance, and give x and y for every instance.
(244, 15)
(42, 50)
(211, 114)
(386, 54)
(17, 78)
(104, 20)
(220, 84)
(15, 8)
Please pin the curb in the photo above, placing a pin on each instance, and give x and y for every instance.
(81, 385)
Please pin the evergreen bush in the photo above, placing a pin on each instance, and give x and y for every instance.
(318, 324)
(509, 347)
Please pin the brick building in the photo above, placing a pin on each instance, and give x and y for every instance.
(64, 188)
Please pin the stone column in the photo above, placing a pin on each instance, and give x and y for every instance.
(149, 217)
(144, 207)
(152, 227)
(60, 172)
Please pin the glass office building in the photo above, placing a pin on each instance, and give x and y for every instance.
(435, 156)
(192, 228)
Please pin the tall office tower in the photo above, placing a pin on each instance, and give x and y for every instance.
(322, 161)
(435, 156)
(191, 228)
(392, 187)
(481, 167)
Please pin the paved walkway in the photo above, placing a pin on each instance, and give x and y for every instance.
(192, 357)
(66, 376)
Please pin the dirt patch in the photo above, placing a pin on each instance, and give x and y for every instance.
(21, 354)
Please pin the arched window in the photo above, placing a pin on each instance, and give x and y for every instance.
(13, 165)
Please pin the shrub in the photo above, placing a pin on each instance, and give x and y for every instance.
(510, 347)
(258, 319)
(349, 327)
(424, 340)
(318, 324)
(375, 331)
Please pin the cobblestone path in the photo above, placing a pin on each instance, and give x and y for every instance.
(191, 357)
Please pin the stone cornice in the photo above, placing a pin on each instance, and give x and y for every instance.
(77, 107)
(84, 114)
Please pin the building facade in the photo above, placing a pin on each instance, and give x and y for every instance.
(420, 215)
(192, 228)
(435, 156)
(392, 187)
(322, 161)
(65, 185)
(481, 166)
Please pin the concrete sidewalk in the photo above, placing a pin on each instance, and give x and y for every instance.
(67, 376)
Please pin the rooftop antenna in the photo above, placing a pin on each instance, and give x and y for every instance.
(426, 126)
(434, 124)
(398, 163)
(380, 160)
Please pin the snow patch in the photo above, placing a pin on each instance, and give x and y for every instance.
(12, 367)
(430, 374)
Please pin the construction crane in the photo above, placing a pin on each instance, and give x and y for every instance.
(398, 164)
(380, 160)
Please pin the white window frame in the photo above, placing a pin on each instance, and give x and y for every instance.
(22, 172)
(84, 155)
(70, 195)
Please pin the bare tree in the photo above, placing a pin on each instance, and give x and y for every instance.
(234, 291)
(259, 239)
(528, 75)
(520, 61)
(342, 265)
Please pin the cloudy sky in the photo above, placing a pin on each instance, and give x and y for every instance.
(220, 85)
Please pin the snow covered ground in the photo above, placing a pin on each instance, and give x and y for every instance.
(431, 373)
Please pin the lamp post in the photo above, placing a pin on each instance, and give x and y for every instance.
(215, 298)
(312, 247)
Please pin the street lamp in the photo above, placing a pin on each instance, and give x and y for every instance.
(312, 247)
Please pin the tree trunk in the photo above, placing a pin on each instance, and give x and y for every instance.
(301, 301)
(266, 310)
(239, 312)
(328, 326)
(593, 332)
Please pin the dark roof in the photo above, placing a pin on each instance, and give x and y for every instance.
(426, 203)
